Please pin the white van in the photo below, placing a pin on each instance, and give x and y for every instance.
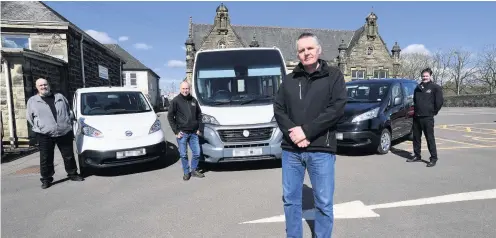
(115, 126)
(235, 89)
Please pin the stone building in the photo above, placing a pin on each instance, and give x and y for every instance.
(39, 42)
(360, 53)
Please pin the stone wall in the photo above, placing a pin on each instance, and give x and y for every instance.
(53, 44)
(18, 100)
(214, 39)
(359, 58)
(484, 100)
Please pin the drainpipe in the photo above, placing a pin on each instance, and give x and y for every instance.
(9, 104)
(82, 60)
(120, 71)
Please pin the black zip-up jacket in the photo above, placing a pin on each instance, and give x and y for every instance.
(313, 101)
(184, 114)
(428, 99)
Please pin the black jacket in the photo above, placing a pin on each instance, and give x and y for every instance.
(184, 114)
(428, 99)
(315, 102)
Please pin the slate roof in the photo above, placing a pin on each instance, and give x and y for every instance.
(284, 38)
(29, 11)
(131, 62)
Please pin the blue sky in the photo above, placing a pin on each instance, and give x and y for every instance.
(155, 32)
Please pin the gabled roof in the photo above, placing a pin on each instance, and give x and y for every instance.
(131, 62)
(29, 11)
(282, 37)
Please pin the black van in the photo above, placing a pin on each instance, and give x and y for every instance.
(378, 112)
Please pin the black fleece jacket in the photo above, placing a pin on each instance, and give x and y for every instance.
(184, 114)
(313, 101)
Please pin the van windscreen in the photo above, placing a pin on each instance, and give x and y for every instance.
(367, 92)
(110, 103)
(238, 77)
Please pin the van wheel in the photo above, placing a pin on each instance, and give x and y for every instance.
(384, 142)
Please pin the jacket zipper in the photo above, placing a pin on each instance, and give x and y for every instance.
(327, 140)
(300, 90)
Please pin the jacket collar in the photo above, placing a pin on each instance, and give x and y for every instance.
(322, 70)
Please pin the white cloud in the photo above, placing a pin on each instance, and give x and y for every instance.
(142, 46)
(123, 38)
(102, 37)
(176, 64)
(183, 47)
(416, 48)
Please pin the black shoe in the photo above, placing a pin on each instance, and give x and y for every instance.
(186, 176)
(198, 174)
(414, 159)
(76, 177)
(432, 163)
(45, 184)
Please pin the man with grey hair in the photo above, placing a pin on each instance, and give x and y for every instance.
(50, 116)
(308, 105)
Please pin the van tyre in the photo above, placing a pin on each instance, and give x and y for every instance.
(384, 142)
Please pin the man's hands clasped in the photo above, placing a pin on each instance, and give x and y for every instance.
(298, 137)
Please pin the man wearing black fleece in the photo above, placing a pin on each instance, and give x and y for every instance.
(428, 101)
(309, 103)
(184, 117)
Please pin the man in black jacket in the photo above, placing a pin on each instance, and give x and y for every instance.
(309, 103)
(428, 100)
(184, 117)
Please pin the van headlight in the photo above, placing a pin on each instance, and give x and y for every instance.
(207, 119)
(366, 115)
(155, 127)
(90, 131)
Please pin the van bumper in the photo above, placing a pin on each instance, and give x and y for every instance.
(222, 144)
(106, 159)
(357, 139)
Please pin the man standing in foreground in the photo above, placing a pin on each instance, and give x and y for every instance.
(309, 103)
(50, 117)
(184, 117)
(428, 101)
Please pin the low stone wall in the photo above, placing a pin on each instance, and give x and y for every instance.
(484, 100)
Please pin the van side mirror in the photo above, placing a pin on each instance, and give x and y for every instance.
(397, 101)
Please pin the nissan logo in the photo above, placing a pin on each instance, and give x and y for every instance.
(129, 133)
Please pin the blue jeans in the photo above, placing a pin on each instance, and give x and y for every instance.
(320, 168)
(194, 144)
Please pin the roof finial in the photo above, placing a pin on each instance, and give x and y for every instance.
(190, 33)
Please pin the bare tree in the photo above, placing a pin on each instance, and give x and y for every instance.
(461, 68)
(441, 67)
(412, 64)
(486, 68)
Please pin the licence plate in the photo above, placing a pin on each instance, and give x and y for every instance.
(247, 152)
(339, 136)
(131, 153)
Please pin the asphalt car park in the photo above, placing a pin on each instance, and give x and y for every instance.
(376, 195)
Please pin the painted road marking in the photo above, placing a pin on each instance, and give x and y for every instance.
(357, 209)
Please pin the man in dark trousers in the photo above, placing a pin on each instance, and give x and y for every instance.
(308, 105)
(50, 117)
(428, 100)
(184, 117)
